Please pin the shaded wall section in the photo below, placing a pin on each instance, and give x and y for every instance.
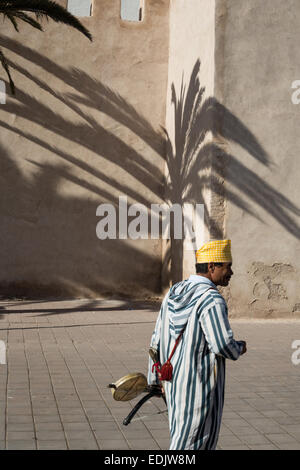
(83, 129)
(257, 59)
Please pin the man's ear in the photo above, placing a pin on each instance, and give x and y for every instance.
(211, 267)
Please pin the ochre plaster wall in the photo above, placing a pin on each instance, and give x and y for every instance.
(257, 58)
(190, 85)
(83, 129)
(86, 127)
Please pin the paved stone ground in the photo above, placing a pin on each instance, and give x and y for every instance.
(62, 355)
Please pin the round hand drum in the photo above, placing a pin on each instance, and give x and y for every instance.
(129, 387)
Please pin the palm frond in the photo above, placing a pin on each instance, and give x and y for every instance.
(12, 20)
(22, 16)
(16, 10)
(43, 8)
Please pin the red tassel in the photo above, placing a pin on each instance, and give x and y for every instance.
(166, 371)
(156, 366)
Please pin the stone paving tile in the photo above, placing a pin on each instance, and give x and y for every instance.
(286, 420)
(73, 418)
(19, 435)
(289, 446)
(230, 423)
(46, 418)
(48, 427)
(234, 447)
(49, 435)
(229, 441)
(21, 445)
(247, 430)
(11, 427)
(255, 439)
(99, 418)
(81, 426)
(274, 414)
(143, 444)
(131, 433)
(226, 431)
(111, 434)
(266, 425)
(113, 444)
(250, 414)
(164, 443)
(22, 419)
(293, 430)
(52, 445)
(157, 425)
(281, 438)
(263, 447)
(295, 412)
(80, 444)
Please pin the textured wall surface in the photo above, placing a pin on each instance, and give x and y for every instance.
(190, 84)
(83, 129)
(257, 59)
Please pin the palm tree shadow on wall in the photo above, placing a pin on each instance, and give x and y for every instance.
(197, 164)
(56, 216)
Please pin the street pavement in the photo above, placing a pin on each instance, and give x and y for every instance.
(60, 357)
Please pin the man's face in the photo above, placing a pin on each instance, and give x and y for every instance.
(220, 275)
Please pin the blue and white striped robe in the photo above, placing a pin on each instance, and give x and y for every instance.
(195, 396)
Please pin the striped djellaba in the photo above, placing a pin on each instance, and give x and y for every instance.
(195, 395)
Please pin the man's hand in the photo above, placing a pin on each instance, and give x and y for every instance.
(244, 347)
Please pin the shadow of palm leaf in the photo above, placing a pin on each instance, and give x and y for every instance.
(191, 155)
(188, 156)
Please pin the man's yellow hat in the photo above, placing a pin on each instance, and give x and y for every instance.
(216, 251)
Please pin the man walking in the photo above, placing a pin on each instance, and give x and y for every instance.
(195, 309)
